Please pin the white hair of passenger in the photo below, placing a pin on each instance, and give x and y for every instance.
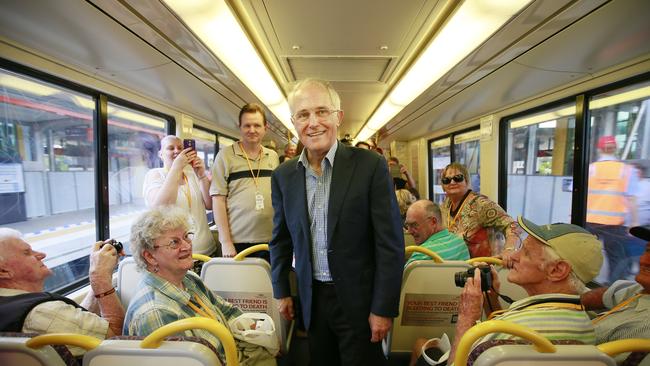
(335, 99)
(7, 234)
(164, 140)
(152, 225)
(549, 256)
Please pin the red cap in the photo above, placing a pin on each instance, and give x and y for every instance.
(606, 140)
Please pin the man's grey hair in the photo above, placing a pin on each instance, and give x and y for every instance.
(153, 224)
(302, 84)
(164, 140)
(431, 209)
(550, 255)
(7, 234)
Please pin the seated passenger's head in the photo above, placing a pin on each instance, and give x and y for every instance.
(423, 219)
(161, 242)
(555, 258)
(643, 278)
(21, 267)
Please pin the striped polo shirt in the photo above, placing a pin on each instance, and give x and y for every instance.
(553, 322)
(448, 246)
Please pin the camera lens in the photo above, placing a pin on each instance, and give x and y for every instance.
(460, 278)
(116, 244)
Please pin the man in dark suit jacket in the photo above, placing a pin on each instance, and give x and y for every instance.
(335, 210)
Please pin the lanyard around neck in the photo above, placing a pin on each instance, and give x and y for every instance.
(452, 220)
(616, 308)
(250, 167)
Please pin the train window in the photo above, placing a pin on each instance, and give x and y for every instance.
(47, 172)
(540, 164)
(205, 145)
(619, 176)
(467, 147)
(440, 154)
(225, 141)
(133, 144)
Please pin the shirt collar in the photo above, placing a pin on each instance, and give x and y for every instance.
(239, 152)
(169, 289)
(11, 292)
(329, 156)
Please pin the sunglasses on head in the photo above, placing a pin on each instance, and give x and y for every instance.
(456, 178)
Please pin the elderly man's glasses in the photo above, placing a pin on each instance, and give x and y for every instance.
(175, 243)
(319, 113)
(456, 178)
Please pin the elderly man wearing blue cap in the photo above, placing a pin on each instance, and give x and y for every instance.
(627, 302)
(553, 264)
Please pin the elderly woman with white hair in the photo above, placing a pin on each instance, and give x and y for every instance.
(182, 182)
(161, 242)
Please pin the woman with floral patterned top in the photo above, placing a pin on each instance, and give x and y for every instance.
(482, 223)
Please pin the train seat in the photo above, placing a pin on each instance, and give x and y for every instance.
(14, 350)
(173, 351)
(520, 352)
(428, 304)
(246, 282)
(128, 278)
(159, 349)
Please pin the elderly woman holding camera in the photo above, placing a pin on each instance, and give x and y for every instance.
(182, 181)
(161, 242)
(474, 217)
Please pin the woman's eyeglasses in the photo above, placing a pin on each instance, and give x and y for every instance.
(175, 243)
(456, 178)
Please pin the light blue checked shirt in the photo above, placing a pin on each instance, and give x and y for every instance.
(318, 195)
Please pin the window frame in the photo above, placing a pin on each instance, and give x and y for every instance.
(452, 153)
(581, 148)
(100, 143)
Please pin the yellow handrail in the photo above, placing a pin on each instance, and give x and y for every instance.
(540, 343)
(201, 257)
(67, 339)
(416, 248)
(625, 345)
(488, 260)
(154, 339)
(254, 249)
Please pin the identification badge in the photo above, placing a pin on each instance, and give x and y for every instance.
(259, 201)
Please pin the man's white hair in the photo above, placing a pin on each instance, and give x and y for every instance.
(7, 234)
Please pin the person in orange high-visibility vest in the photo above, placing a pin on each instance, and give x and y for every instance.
(611, 205)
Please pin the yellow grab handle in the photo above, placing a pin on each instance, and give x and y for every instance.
(488, 260)
(416, 248)
(154, 339)
(201, 257)
(254, 249)
(474, 333)
(67, 339)
(625, 345)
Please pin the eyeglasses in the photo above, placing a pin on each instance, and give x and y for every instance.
(414, 225)
(456, 178)
(175, 243)
(320, 114)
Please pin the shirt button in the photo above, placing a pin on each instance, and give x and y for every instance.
(319, 206)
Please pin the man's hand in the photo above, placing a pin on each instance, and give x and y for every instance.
(471, 299)
(379, 326)
(103, 260)
(285, 307)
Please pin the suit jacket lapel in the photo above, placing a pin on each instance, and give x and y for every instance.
(341, 178)
(299, 207)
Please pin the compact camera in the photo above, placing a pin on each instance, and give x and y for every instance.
(116, 244)
(486, 277)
